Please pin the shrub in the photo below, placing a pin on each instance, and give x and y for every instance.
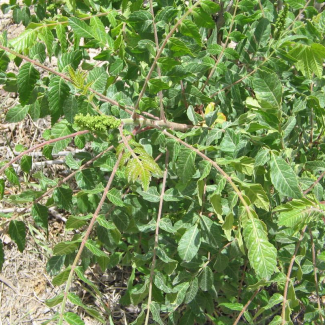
(202, 127)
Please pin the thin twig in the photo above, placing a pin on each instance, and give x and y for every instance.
(246, 306)
(223, 48)
(285, 293)
(153, 264)
(160, 94)
(144, 87)
(84, 240)
(40, 146)
(315, 183)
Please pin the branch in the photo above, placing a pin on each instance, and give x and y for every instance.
(162, 112)
(218, 168)
(83, 243)
(315, 183)
(152, 270)
(159, 54)
(40, 146)
(246, 306)
(285, 293)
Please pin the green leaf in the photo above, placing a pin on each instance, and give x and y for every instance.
(54, 301)
(40, 215)
(189, 244)
(75, 222)
(268, 89)
(186, 166)
(188, 28)
(25, 40)
(26, 80)
(262, 254)
(284, 178)
(26, 163)
(151, 195)
(58, 93)
(206, 279)
(62, 277)
(98, 79)
(310, 59)
(63, 197)
(98, 30)
(257, 196)
(80, 28)
(54, 264)
(178, 47)
(61, 33)
(65, 248)
(115, 197)
(192, 291)
(156, 85)
(12, 176)
(116, 67)
(297, 212)
(16, 114)
(59, 130)
(47, 37)
(17, 232)
(94, 249)
(209, 6)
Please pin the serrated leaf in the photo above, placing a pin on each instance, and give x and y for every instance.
(94, 249)
(310, 59)
(156, 85)
(73, 319)
(268, 89)
(80, 28)
(26, 163)
(178, 47)
(206, 279)
(209, 6)
(58, 93)
(189, 244)
(54, 264)
(63, 197)
(98, 79)
(16, 114)
(188, 28)
(17, 232)
(151, 195)
(25, 40)
(284, 178)
(40, 215)
(262, 254)
(98, 30)
(12, 176)
(115, 196)
(258, 196)
(192, 291)
(61, 33)
(54, 301)
(116, 67)
(60, 130)
(47, 37)
(65, 248)
(75, 222)
(186, 167)
(26, 80)
(297, 211)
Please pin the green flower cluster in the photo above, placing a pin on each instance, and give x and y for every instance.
(280, 22)
(99, 123)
